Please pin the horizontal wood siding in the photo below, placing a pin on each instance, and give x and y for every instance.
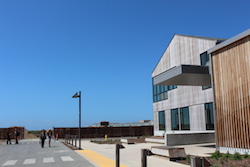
(231, 70)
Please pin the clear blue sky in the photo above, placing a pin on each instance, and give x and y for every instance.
(51, 49)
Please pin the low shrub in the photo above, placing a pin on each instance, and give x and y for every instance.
(236, 157)
(188, 158)
(226, 156)
(246, 155)
(216, 155)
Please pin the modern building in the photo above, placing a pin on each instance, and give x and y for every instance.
(189, 109)
(181, 110)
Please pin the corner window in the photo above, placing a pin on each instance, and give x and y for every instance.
(160, 92)
(204, 58)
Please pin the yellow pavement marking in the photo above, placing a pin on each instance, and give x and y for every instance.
(99, 159)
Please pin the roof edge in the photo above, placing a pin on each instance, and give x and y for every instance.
(229, 41)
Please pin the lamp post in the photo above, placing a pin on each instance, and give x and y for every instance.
(79, 96)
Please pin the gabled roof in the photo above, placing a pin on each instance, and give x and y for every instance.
(219, 40)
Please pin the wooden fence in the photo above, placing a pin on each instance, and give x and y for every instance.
(99, 132)
(3, 132)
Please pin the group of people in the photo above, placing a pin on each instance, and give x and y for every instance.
(16, 133)
(45, 134)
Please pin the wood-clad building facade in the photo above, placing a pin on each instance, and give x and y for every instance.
(231, 82)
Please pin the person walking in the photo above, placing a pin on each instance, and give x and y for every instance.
(16, 135)
(49, 134)
(8, 137)
(43, 137)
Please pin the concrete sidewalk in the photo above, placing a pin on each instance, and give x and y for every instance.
(131, 155)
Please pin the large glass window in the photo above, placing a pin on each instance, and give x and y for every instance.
(161, 117)
(209, 113)
(180, 119)
(160, 92)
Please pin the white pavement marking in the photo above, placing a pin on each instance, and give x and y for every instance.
(67, 158)
(48, 160)
(10, 162)
(29, 161)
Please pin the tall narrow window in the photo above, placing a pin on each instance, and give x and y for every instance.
(204, 58)
(175, 119)
(180, 119)
(209, 113)
(184, 117)
(162, 123)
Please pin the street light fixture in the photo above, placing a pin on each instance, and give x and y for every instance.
(79, 96)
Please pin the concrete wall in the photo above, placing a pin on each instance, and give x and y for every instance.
(189, 138)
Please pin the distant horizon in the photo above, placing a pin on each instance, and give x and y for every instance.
(74, 126)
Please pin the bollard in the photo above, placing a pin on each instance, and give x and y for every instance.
(118, 147)
(143, 158)
(75, 140)
(66, 138)
(144, 154)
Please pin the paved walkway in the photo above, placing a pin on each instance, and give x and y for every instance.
(103, 155)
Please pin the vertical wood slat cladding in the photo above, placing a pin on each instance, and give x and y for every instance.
(231, 70)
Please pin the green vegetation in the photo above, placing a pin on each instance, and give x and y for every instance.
(236, 157)
(226, 156)
(246, 156)
(230, 160)
(188, 158)
(216, 155)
